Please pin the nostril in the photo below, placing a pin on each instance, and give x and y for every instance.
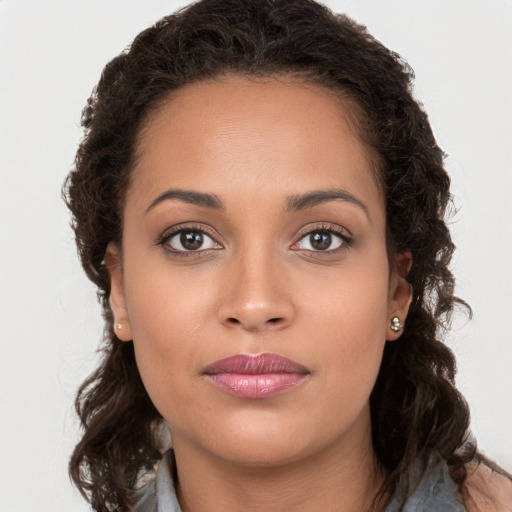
(236, 321)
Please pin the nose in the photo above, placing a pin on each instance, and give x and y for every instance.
(256, 296)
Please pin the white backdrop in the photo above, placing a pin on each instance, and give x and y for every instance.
(51, 55)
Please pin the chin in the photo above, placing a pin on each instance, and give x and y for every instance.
(262, 454)
(265, 441)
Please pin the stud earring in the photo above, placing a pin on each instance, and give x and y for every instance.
(395, 324)
(119, 326)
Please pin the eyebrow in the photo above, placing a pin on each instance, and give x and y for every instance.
(294, 203)
(317, 197)
(189, 196)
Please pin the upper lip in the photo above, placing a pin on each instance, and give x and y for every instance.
(255, 364)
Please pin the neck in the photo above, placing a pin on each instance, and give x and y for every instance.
(340, 478)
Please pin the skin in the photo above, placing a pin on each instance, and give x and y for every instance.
(487, 490)
(259, 286)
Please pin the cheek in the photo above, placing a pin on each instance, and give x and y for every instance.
(352, 305)
(348, 323)
(166, 315)
(166, 303)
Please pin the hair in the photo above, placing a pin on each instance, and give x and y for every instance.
(416, 411)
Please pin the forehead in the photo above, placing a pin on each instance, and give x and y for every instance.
(234, 133)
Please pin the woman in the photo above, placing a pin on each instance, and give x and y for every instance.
(261, 203)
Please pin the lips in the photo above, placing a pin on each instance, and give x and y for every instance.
(255, 376)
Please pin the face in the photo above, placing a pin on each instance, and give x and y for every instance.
(254, 231)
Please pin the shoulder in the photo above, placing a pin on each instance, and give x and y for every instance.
(487, 489)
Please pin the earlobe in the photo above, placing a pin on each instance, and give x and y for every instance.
(400, 298)
(117, 300)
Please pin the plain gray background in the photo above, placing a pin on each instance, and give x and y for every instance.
(51, 55)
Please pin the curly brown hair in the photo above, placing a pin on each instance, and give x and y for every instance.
(416, 410)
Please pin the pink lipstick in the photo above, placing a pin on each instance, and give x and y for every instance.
(255, 376)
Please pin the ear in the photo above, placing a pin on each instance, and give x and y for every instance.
(117, 300)
(400, 293)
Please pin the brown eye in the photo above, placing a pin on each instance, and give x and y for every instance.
(321, 240)
(190, 240)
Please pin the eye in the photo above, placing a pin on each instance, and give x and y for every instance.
(189, 240)
(322, 240)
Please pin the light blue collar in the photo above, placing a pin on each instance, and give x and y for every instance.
(436, 492)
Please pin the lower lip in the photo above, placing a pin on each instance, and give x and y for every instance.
(256, 386)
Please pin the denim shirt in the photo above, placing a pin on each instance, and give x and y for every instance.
(436, 493)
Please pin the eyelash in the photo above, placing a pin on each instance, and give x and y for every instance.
(346, 240)
(168, 235)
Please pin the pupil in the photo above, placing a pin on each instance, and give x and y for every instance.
(321, 240)
(191, 240)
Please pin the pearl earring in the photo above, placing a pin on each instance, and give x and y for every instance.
(395, 324)
(119, 326)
